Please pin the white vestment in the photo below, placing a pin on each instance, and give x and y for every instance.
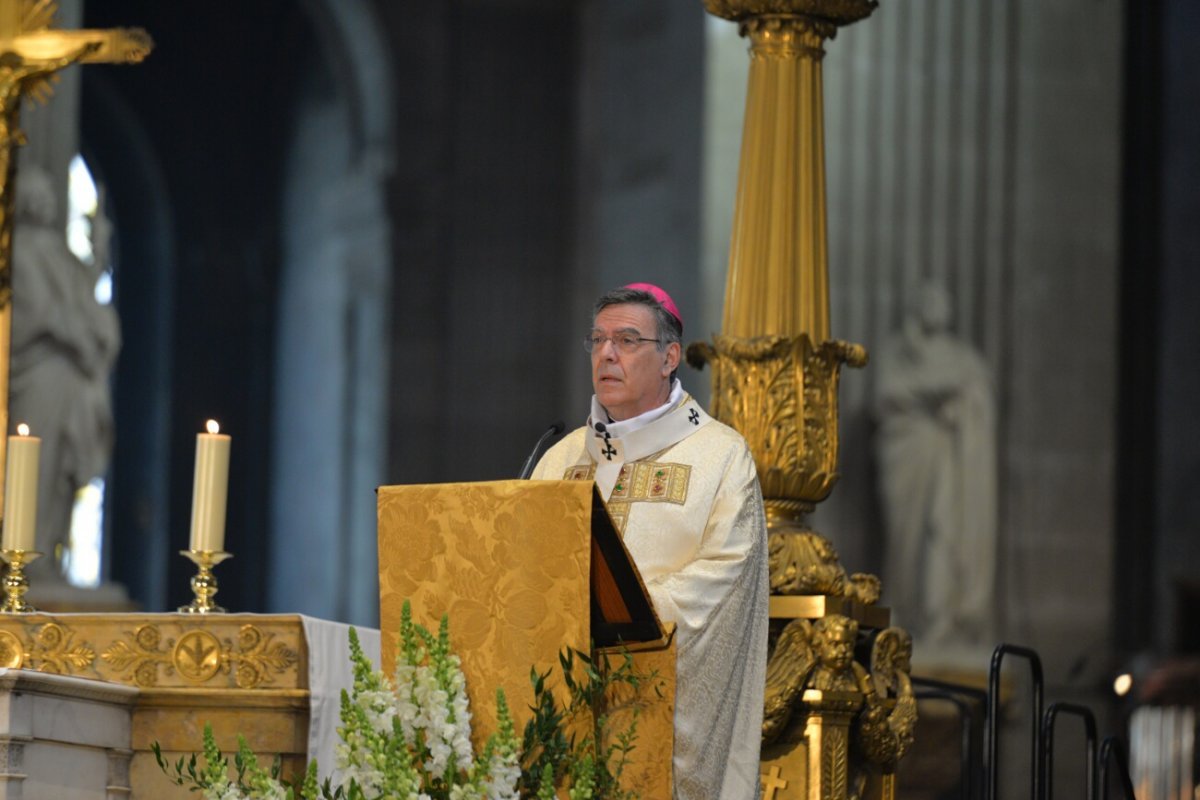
(684, 491)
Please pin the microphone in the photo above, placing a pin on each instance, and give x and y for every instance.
(551, 432)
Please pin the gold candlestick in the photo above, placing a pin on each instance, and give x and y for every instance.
(204, 583)
(16, 584)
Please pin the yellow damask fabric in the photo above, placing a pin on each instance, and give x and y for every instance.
(508, 561)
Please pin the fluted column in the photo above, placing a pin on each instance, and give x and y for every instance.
(775, 379)
(775, 370)
(778, 281)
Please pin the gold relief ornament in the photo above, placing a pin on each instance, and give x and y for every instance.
(53, 651)
(891, 668)
(810, 656)
(258, 656)
(865, 719)
(12, 653)
(780, 393)
(791, 660)
(51, 648)
(198, 656)
(801, 561)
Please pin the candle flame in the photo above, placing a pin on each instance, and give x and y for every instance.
(213, 426)
(22, 429)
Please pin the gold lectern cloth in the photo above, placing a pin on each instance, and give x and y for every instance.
(507, 561)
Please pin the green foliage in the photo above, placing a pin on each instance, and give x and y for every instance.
(591, 766)
(250, 780)
(409, 736)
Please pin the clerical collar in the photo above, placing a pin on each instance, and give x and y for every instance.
(612, 444)
(628, 426)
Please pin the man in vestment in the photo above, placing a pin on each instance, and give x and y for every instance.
(684, 492)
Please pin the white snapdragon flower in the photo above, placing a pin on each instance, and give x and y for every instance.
(380, 707)
(439, 757)
(504, 770)
(224, 790)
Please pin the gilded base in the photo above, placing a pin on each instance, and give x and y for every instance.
(204, 583)
(16, 583)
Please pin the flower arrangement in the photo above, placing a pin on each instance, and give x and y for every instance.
(409, 737)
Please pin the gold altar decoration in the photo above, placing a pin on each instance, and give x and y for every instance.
(510, 563)
(780, 393)
(15, 582)
(242, 673)
(31, 54)
(833, 729)
(203, 583)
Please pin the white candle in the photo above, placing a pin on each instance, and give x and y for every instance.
(209, 490)
(20, 490)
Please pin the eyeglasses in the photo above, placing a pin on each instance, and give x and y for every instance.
(626, 342)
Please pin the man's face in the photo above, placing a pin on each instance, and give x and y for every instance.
(629, 384)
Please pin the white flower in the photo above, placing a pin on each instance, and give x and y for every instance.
(380, 707)
(224, 790)
(504, 771)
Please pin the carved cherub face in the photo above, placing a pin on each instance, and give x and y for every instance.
(835, 642)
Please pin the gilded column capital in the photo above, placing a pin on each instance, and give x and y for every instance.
(834, 12)
(780, 36)
(780, 393)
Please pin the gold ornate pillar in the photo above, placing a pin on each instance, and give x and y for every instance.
(775, 370)
(775, 379)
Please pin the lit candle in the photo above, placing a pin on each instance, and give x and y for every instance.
(20, 490)
(209, 490)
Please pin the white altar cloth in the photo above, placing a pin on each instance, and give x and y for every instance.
(329, 671)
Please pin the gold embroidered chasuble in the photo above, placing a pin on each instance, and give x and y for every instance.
(685, 495)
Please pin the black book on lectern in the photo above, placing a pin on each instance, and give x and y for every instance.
(621, 609)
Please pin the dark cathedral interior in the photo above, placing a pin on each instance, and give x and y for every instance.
(365, 237)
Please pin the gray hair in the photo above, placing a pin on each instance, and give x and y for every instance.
(668, 329)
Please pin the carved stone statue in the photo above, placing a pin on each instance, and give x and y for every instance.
(937, 473)
(64, 345)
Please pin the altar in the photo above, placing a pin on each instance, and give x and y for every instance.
(274, 679)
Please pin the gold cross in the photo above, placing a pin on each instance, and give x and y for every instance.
(771, 782)
(31, 54)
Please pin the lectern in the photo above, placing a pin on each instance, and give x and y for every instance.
(524, 569)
